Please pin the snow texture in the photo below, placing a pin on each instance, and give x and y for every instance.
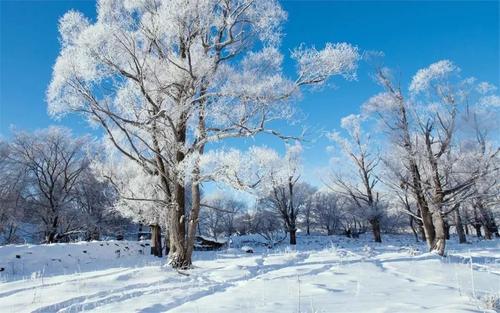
(323, 274)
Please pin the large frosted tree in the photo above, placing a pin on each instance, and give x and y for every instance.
(165, 78)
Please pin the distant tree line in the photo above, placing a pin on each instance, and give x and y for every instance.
(48, 192)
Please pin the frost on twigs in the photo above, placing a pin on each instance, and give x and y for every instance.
(315, 66)
(434, 72)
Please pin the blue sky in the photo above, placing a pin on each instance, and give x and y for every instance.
(411, 34)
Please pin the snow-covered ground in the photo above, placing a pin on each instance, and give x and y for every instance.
(324, 274)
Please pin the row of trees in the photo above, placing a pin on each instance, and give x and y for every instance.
(169, 81)
(48, 191)
(49, 185)
(317, 212)
(433, 155)
(430, 149)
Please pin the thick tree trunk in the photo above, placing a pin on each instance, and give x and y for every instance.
(439, 243)
(193, 217)
(293, 236)
(377, 236)
(178, 253)
(459, 227)
(425, 213)
(51, 236)
(429, 229)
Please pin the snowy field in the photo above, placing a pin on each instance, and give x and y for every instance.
(324, 274)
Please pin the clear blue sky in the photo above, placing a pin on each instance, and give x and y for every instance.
(411, 34)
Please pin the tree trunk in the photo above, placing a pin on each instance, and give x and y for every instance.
(439, 243)
(489, 224)
(329, 231)
(446, 230)
(167, 241)
(375, 223)
(139, 233)
(51, 237)
(422, 232)
(193, 217)
(477, 227)
(425, 213)
(420, 226)
(156, 248)
(178, 253)
(429, 230)
(487, 232)
(412, 226)
(293, 236)
(459, 227)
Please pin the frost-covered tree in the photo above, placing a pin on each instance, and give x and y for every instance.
(421, 123)
(12, 202)
(479, 152)
(304, 193)
(282, 191)
(95, 199)
(53, 162)
(219, 215)
(357, 148)
(166, 78)
(327, 208)
(269, 225)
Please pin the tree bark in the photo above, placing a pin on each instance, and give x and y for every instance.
(51, 237)
(193, 217)
(477, 227)
(178, 254)
(422, 232)
(375, 223)
(139, 233)
(293, 236)
(439, 243)
(427, 222)
(446, 230)
(420, 226)
(459, 227)
(413, 228)
(329, 231)
(156, 247)
(429, 228)
(487, 232)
